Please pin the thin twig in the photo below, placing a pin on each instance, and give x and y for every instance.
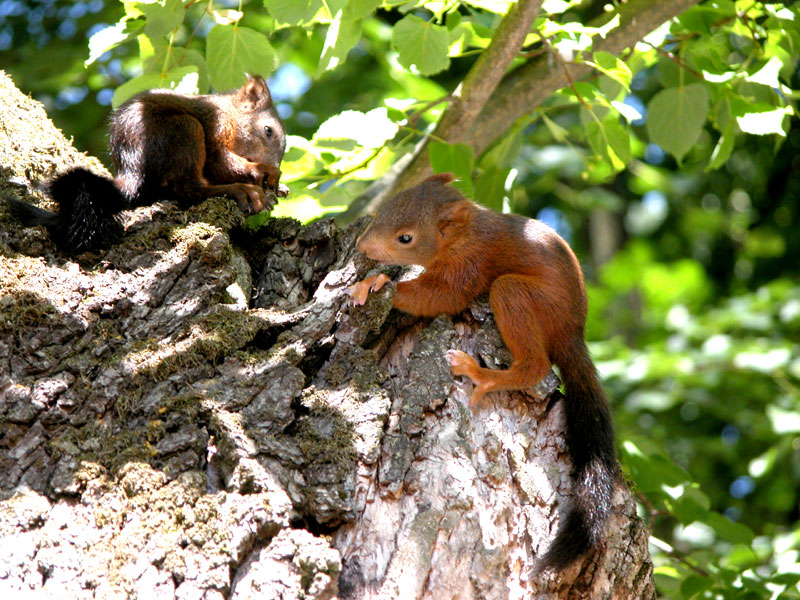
(677, 555)
(412, 118)
(567, 74)
(676, 59)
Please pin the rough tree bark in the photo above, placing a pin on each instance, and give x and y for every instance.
(163, 434)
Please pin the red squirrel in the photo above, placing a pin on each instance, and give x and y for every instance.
(537, 294)
(167, 145)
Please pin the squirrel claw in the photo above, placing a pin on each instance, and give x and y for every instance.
(282, 191)
(360, 291)
(461, 363)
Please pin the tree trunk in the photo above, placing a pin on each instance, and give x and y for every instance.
(164, 435)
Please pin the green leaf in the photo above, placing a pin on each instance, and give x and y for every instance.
(694, 584)
(299, 160)
(490, 188)
(233, 52)
(297, 12)
(670, 472)
(692, 505)
(675, 118)
(559, 133)
(343, 34)
(710, 54)
(309, 204)
(499, 7)
(183, 80)
(351, 128)
(162, 16)
(613, 67)
(787, 579)
(641, 468)
(453, 158)
(157, 56)
(627, 111)
(723, 149)
(759, 118)
(702, 19)
(768, 74)
(361, 9)
(467, 33)
(421, 44)
(226, 16)
(503, 153)
(609, 139)
(729, 530)
(111, 37)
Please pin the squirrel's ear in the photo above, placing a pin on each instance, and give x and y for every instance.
(256, 91)
(443, 178)
(453, 217)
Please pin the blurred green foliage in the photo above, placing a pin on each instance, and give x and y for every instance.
(674, 171)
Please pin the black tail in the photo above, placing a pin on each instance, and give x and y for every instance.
(590, 442)
(87, 219)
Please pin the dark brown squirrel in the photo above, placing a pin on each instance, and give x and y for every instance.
(538, 297)
(167, 145)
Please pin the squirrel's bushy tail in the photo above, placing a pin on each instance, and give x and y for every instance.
(89, 207)
(590, 442)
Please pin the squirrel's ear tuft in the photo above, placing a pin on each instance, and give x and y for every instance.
(255, 90)
(443, 178)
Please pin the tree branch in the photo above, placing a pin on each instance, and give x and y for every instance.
(477, 87)
(527, 87)
(484, 110)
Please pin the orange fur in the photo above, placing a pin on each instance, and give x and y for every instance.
(534, 282)
(537, 294)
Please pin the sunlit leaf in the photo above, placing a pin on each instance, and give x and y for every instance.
(760, 118)
(729, 530)
(351, 127)
(299, 160)
(694, 584)
(110, 37)
(297, 12)
(163, 17)
(227, 16)
(343, 34)
(610, 140)
(612, 67)
(723, 149)
(675, 117)
(453, 158)
(233, 52)
(421, 44)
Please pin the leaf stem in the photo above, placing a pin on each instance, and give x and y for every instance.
(676, 59)
(677, 555)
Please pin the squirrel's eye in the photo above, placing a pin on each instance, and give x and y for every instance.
(404, 239)
(268, 130)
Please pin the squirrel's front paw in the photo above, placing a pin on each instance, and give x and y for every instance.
(360, 291)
